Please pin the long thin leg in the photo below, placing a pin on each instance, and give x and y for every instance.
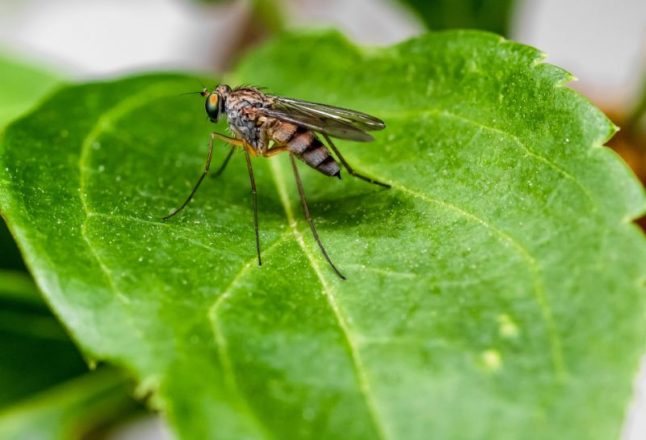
(224, 164)
(347, 166)
(236, 143)
(207, 165)
(254, 201)
(274, 151)
(306, 211)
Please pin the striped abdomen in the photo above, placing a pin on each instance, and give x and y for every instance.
(304, 144)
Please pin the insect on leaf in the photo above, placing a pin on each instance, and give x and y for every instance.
(500, 280)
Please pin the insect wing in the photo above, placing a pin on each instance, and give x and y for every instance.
(361, 120)
(322, 125)
(335, 121)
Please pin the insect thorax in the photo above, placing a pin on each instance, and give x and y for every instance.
(241, 118)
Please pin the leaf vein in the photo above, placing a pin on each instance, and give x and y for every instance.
(359, 367)
(220, 338)
(175, 226)
(102, 124)
(531, 153)
(540, 297)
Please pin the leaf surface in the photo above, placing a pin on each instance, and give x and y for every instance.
(21, 86)
(499, 281)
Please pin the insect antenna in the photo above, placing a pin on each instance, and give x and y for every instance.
(202, 91)
(189, 93)
(308, 217)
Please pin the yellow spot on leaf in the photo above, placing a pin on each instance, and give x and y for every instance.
(491, 359)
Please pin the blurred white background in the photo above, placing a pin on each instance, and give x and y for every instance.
(603, 42)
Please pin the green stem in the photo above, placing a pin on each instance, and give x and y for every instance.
(638, 113)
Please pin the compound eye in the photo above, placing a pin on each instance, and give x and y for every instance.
(211, 106)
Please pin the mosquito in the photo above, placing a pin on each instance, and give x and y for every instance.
(266, 125)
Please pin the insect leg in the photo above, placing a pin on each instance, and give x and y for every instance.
(274, 151)
(306, 211)
(207, 165)
(224, 164)
(228, 139)
(254, 201)
(237, 143)
(347, 166)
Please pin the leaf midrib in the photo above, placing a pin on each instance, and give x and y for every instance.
(220, 338)
(556, 351)
(357, 362)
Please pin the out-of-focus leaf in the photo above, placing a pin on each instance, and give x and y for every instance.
(46, 391)
(476, 285)
(630, 143)
(21, 86)
(18, 286)
(35, 352)
(70, 410)
(489, 15)
(9, 254)
(637, 120)
(267, 13)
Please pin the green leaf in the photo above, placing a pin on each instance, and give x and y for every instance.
(267, 15)
(30, 338)
(21, 86)
(489, 15)
(18, 286)
(46, 391)
(9, 254)
(70, 410)
(636, 121)
(496, 291)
